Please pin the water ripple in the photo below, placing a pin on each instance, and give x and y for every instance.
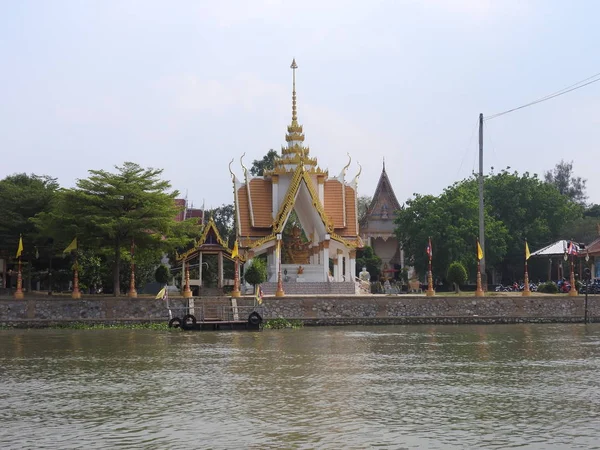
(434, 387)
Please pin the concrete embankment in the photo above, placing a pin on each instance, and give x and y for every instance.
(312, 310)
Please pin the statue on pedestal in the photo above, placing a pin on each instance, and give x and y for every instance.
(364, 275)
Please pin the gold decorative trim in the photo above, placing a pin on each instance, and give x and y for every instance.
(294, 137)
(261, 241)
(202, 239)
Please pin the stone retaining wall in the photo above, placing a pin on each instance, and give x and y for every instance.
(311, 288)
(323, 310)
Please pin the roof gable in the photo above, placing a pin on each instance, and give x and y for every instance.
(384, 201)
(210, 236)
(300, 176)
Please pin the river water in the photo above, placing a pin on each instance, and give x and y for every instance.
(428, 387)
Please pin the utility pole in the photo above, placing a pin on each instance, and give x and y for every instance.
(481, 226)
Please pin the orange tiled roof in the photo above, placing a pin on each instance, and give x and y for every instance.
(333, 205)
(245, 227)
(351, 229)
(261, 193)
(244, 224)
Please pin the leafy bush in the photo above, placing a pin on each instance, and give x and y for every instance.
(549, 287)
(457, 274)
(257, 272)
(162, 274)
(280, 323)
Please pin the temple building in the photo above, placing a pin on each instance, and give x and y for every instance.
(377, 227)
(302, 219)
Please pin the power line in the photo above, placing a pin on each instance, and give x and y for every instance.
(563, 91)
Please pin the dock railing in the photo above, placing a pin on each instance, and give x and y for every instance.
(214, 312)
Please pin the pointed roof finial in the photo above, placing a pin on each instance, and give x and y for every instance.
(294, 66)
(384, 163)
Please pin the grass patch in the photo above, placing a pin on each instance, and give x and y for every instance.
(280, 324)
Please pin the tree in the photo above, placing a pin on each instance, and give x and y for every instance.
(363, 202)
(581, 229)
(22, 197)
(529, 209)
(567, 184)
(266, 163)
(517, 207)
(366, 257)
(457, 274)
(592, 210)
(452, 222)
(113, 210)
(257, 272)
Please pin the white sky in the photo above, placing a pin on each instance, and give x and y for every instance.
(189, 85)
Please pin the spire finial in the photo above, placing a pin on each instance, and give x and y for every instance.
(294, 66)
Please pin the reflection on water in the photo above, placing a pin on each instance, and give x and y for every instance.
(533, 386)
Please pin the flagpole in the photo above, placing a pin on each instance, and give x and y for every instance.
(430, 292)
(132, 292)
(236, 279)
(526, 291)
(19, 291)
(187, 293)
(479, 290)
(573, 291)
(280, 292)
(76, 294)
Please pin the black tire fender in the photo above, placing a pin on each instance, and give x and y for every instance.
(188, 321)
(175, 322)
(254, 318)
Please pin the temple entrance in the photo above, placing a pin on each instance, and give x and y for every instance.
(296, 246)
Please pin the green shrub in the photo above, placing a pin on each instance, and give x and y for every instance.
(257, 272)
(457, 274)
(162, 274)
(549, 287)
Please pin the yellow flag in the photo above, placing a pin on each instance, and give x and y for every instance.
(234, 252)
(161, 293)
(259, 295)
(72, 246)
(20, 248)
(527, 254)
(479, 251)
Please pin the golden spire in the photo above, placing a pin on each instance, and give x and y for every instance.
(294, 66)
(295, 152)
(294, 136)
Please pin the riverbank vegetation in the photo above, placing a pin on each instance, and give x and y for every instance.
(281, 323)
(517, 207)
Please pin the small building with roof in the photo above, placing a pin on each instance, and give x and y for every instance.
(377, 228)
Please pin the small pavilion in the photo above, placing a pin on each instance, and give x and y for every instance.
(209, 243)
(321, 245)
(555, 253)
